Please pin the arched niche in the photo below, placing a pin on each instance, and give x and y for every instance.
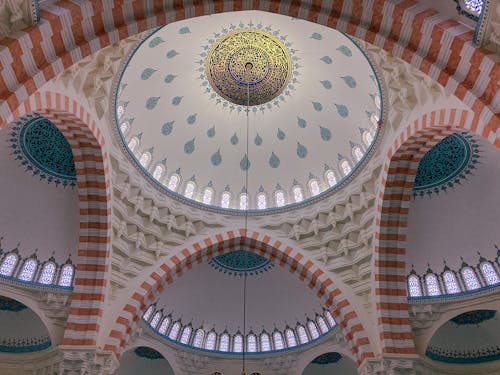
(331, 363)
(143, 360)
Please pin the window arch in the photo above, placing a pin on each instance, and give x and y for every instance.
(147, 314)
(414, 286)
(278, 341)
(314, 187)
(8, 265)
(323, 327)
(374, 120)
(211, 340)
(298, 195)
(173, 182)
(279, 198)
(164, 325)
(367, 138)
(133, 144)
(357, 153)
(66, 277)
(174, 331)
(470, 279)
(251, 343)
(225, 200)
(28, 270)
(345, 167)
(265, 342)
(432, 285)
(450, 282)
(156, 319)
(238, 343)
(301, 332)
(329, 318)
(330, 178)
(291, 340)
(48, 273)
(243, 201)
(473, 7)
(145, 159)
(190, 189)
(120, 110)
(158, 172)
(224, 342)
(198, 338)
(489, 273)
(208, 195)
(125, 127)
(313, 330)
(261, 201)
(186, 335)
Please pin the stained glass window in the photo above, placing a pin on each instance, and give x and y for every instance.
(225, 200)
(432, 285)
(186, 335)
(314, 187)
(189, 190)
(198, 338)
(133, 144)
(156, 319)
(158, 172)
(301, 331)
(450, 282)
(261, 201)
(8, 265)
(346, 168)
(164, 325)
(208, 195)
(28, 270)
(489, 273)
(211, 339)
(297, 194)
(243, 201)
(48, 272)
(330, 178)
(322, 324)
(148, 313)
(313, 330)
(120, 110)
(224, 343)
(265, 342)
(290, 338)
(238, 344)
(251, 343)
(66, 275)
(374, 120)
(145, 159)
(174, 332)
(278, 340)
(280, 198)
(357, 153)
(367, 138)
(330, 319)
(474, 6)
(414, 286)
(124, 127)
(470, 279)
(173, 182)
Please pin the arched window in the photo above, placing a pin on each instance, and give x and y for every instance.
(357, 153)
(156, 319)
(470, 279)
(291, 340)
(322, 324)
(120, 110)
(279, 197)
(367, 138)
(225, 199)
(432, 285)
(145, 159)
(414, 286)
(489, 273)
(173, 182)
(148, 313)
(278, 341)
(243, 201)
(66, 277)
(265, 342)
(174, 331)
(251, 343)
(186, 335)
(190, 189)
(208, 195)
(329, 318)
(313, 330)
(374, 120)
(164, 325)
(28, 271)
(8, 265)
(48, 273)
(125, 127)
(261, 201)
(211, 340)
(330, 178)
(301, 332)
(314, 187)
(238, 343)
(345, 167)
(158, 172)
(198, 338)
(450, 282)
(473, 7)
(224, 343)
(298, 196)
(133, 144)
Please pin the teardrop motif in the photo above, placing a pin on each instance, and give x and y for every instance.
(155, 41)
(281, 134)
(216, 158)
(316, 36)
(301, 150)
(326, 84)
(151, 102)
(211, 132)
(301, 122)
(167, 128)
(258, 140)
(171, 54)
(169, 78)
(317, 106)
(184, 30)
(245, 163)
(147, 73)
(191, 119)
(342, 110)
(234, 139)
(177, 100)
(325, 133)
(345, 50)
(326, 59)
(189, 147)
(274, 161)
(349, 81)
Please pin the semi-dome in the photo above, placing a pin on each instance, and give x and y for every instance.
(309, 96)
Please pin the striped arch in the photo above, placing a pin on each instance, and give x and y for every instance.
(69, 31)
(393, 204)
(94, 205)
(262, 244)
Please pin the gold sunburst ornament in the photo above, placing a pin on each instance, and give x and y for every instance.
(248, 60)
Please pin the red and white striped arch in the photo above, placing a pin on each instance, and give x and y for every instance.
(393, 203)
(69, 31)
(275, 250)
(94, 195)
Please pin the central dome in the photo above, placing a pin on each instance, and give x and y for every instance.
(248, 67)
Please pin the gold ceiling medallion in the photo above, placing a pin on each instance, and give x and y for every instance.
(248, 60)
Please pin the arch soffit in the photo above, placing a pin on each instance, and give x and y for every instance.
(307, 357)
(379, 25)
(281, 253)
(91, 165)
